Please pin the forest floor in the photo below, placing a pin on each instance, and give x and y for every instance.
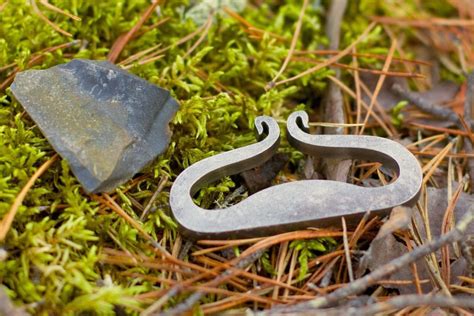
(395, 69)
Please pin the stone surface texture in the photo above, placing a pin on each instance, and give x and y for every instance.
(106, 122)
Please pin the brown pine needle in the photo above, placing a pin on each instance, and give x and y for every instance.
(434, 163)
(117, 209)
(45, 19)
(294, 40)
(58, 10)
(249, 28)
(120, 43)
(3, 6)
(372, 71)
(331, 60)
(144, 62)
(161, 185)
(376, 117)
(429, 22)
(439, 129)
(7, 221)
(139, 55)
(201, 38)
(446, 226)
(362, 55)
(347, 250)
(379, 85)
(159, 53)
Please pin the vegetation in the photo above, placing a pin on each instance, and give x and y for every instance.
(68, 252)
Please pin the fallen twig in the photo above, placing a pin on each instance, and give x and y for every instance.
(426, 106)
(403, 301)
(360, 285)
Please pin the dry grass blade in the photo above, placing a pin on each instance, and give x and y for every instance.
(430, 167)
(446, 226)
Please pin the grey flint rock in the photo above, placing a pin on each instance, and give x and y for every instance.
(107, 123)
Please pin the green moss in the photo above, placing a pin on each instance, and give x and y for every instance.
(60, 233)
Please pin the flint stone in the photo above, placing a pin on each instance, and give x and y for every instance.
(107, 123)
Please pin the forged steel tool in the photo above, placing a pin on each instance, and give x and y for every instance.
(293, 205)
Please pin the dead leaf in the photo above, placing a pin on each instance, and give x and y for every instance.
(383, 250)
(400, 218)
(437, 204)
(385, 247)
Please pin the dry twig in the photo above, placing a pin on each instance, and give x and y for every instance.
(358, 286)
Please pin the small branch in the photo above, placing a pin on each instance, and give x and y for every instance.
(403, 301)
(425, 106)
(395, 303)
(333, 101)
(333, 22)
(386, 270)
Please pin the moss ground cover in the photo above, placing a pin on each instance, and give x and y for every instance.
(62, 253)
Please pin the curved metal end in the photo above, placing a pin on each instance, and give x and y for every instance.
(298, 119)
(264, 125)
